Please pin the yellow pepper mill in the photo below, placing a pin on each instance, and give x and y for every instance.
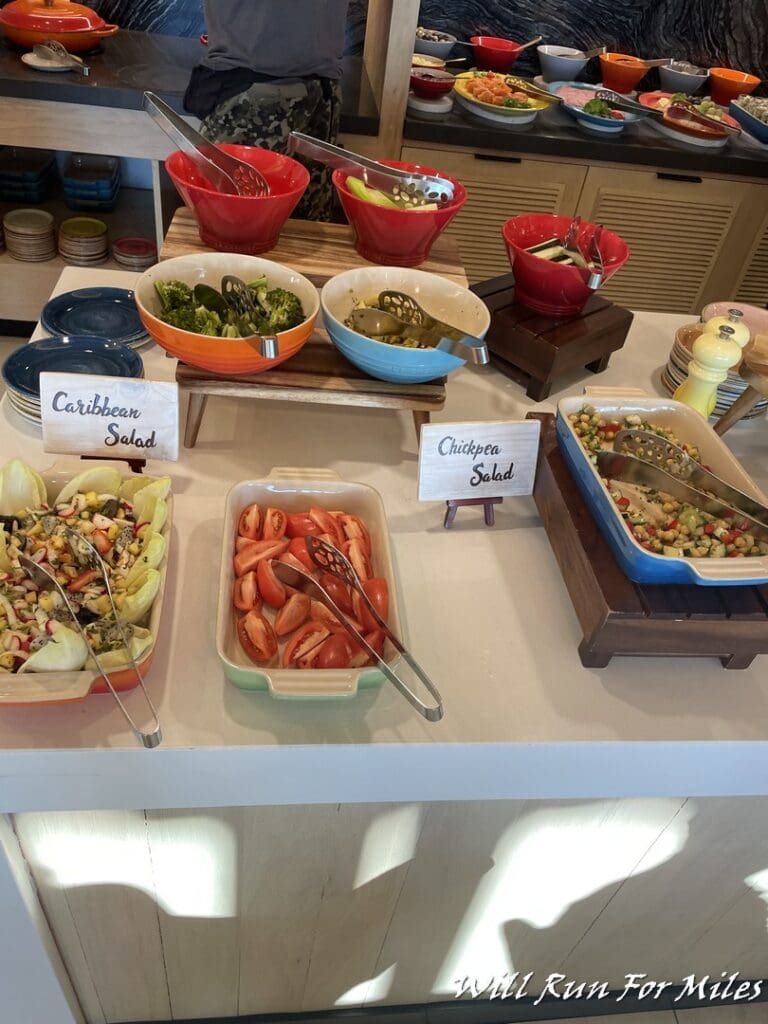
(741, 335)
(713, 356)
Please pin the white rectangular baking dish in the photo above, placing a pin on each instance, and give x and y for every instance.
(61, 687)
(295, 490)
(640, 565)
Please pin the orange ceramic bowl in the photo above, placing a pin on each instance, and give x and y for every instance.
(225, 356)
(726, 85)
(621, 72)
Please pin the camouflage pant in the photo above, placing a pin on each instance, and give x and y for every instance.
(265, 113)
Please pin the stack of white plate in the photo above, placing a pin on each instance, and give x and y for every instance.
(29, 235)
(134, 253)
(27, 408)
(676, 371)
(83, 241)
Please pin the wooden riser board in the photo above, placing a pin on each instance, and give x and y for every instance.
(619, 617)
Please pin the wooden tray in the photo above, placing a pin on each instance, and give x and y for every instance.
(625, 618)
(534, 349)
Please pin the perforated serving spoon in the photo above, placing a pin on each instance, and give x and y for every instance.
(53, 51)
(379, 322)
(238, 296)
(407, 309)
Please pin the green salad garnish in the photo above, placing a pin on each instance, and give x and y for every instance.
(204, 310)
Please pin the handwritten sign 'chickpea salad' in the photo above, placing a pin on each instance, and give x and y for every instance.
(477, 460)
(109, 416)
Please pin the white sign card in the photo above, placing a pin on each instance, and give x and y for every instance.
(477, 460)
(109, 416)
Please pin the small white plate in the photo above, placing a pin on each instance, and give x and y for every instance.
(39, 64)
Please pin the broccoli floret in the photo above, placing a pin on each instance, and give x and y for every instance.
(184, 317)
(260, 282)
(208, 321)
(282, 307)
(174, 295)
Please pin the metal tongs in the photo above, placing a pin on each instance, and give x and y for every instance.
(623, 466)
(225, 173)
(670, 458)
(594, 265)
(523, 85)
(407, 188)
(680, 109)
(91, 557)
(53, 51)
(332, 561)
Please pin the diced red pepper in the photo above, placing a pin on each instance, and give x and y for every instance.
(728, 537)
(672, 524)
(623, 503)
(709, 529)
(651, 530)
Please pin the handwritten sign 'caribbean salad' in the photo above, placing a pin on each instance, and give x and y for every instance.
(109, 416)
(477, 460)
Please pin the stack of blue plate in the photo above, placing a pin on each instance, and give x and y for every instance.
(91, 182)
(63, 354)
(98, 312)
(27, 175)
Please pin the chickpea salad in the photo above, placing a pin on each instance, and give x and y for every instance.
(123, 519)
(657, 521)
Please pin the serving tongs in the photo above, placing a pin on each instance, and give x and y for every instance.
(407, 188)
(53, 52)
(329, 559)
(238, 296)
(658, 451)
(679, 110)
(627, 468)
(523, 85)
(86, 554)
(225, 172)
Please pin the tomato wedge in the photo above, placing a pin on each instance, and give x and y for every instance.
(82, 581)
(275, 522)
(337, 590)
(377, 591)
(304, 642)
(257, 638)
(355, 529)
(249, 524)
(294, 612)
(298, 548)
(375, 638)
(271, 588)
(336, 652)
(358, 557)
(320, 613)
(301, 524)
(245, 593)
(327, 524)
(250, 556)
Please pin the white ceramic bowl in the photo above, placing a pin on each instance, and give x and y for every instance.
(673, 80)
(560, 63)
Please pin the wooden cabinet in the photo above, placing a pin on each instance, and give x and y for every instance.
(753, 281)
(500, 187)
(691, 237)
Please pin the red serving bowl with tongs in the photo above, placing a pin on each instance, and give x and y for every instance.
(548, 287)
(394, 237)
(493, 53)
(75, 26)
(244, 224)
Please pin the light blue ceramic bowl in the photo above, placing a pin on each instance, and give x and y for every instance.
(757, 128)
(440, 297)
(608, 125)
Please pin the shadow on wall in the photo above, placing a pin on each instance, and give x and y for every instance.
(185, 17)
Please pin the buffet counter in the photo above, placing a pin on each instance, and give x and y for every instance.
(485, 609)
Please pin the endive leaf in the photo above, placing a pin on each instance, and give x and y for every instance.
(144, 498)
(102, 479)
(20, 488)
(5, 562)
(140, 594)
(150, 558)
(140, 643)
(66, 651)
(158, 513)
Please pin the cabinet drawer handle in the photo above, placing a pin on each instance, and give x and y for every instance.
(692, 179)
(498, 159)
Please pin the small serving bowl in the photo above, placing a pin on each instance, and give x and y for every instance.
(433, 49)
(430, 85)
(439, 296)
(226, 356)
(423, 60)
(621, 71)
(753, 125)
(560, 63)
(725, 84)
(401, 238)
(550, 287)
(493, 53)
(244, 224)
(673, 80)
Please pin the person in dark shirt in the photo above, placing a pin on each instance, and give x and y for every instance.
(272, 67)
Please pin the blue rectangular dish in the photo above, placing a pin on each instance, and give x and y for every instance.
(640, 565)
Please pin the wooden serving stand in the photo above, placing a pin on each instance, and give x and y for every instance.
(318, 373)
(619, 617)
(535, 349)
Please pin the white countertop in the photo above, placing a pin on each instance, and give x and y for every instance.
(487, 612)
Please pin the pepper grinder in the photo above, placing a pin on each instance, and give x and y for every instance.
(713, 356)
(735, 319)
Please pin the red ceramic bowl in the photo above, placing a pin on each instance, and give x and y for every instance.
(431, 84)
(494, 54)
(398, 238)
(549, 287)
(245, 224)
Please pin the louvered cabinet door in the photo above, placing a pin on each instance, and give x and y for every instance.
(753, 282)
(688, 235)
(500, 187)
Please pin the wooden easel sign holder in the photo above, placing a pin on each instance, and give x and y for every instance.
(467, 464)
